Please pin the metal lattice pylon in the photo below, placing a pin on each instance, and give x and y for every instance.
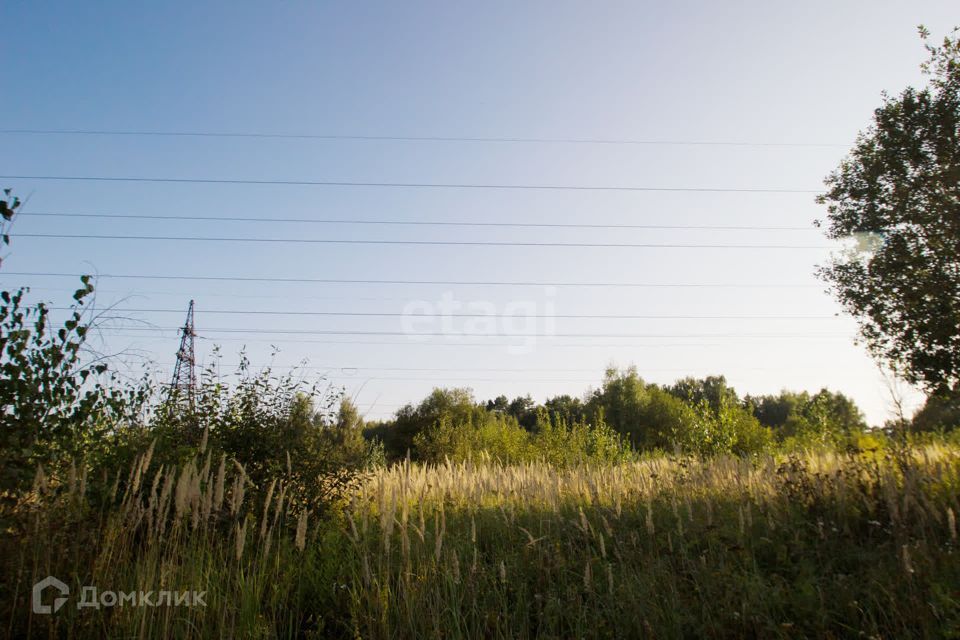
(184, 384)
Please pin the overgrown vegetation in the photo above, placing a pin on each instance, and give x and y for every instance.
(638, 510)
(655, 510)
(817, 545)
(622, 419)
(820, 545)
(113, 482)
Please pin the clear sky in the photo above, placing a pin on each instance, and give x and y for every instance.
(808, 74)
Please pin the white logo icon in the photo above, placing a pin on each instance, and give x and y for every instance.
(58, 602)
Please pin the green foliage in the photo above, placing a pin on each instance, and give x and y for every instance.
(456, 405)
(523, 408)
(61, 412)
(825, 418)
(940, 412)
(460, 435)
(699, 416)
(273, 426)
(562, 444)
(494, 435)
(566, 409)
(8, 207)
(696, 416)
(346, 434)
(57, 408)
(726, 428)
(647, 415)
(712, 390)
(898, 194)
(723, 424)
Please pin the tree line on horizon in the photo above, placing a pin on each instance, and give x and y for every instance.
(627, 416)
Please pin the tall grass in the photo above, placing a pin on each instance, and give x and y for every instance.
(200, 528)
(820, 544)
(816, 545)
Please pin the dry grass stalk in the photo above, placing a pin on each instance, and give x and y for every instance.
(264, 520)
(300, 540)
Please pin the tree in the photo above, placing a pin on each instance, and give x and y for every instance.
(826, 416)
(939, 412)
(55, 408)
(713, 390)
(565, 408)
(898, 194)
(457, 406)
(648, 416)
(500, 404)
(524, 409)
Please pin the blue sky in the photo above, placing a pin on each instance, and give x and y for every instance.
(758, 72)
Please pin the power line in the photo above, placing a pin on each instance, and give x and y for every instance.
(147, 293)
(344, 368)
(395, 314)
(547, 225)
(464, 243)
(405, 185)
(495, 283)
(454, 379)
(484, 345)
(354, 332)
(399, 138)
(448, 379)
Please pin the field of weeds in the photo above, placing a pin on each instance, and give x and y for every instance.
(814, 545)
(826, 545)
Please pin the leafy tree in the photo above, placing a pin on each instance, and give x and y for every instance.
(346, 434)
(712, 390)
(455, 405)
(941, 412)
(834, 413)
(723, 424)
(500, 404)
(825, 417)
(775, 411)
(500, 436)
(898, 193)
(566, 409)
(493, 434)
(524, 409)
(648, 416)
(54, 407)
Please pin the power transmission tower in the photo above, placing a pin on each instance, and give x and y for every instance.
(184, 384)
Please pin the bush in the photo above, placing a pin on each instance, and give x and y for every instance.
(458, 434)
(274, 427)
(57, 409)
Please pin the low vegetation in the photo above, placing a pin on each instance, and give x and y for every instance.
(826, 545)
(638, 510)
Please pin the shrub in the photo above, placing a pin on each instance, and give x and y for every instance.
(56, 407)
